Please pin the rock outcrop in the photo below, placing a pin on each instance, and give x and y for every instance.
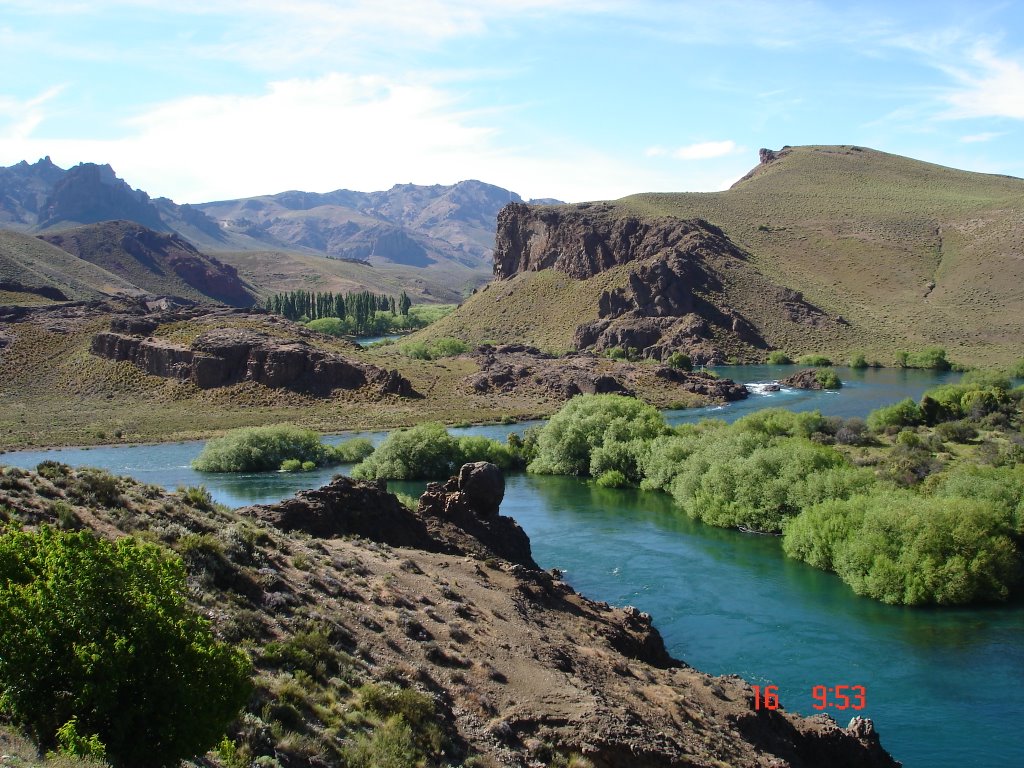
(806, 378)
(673, 297)
(225, 356)
(513, 667)
(507, 368)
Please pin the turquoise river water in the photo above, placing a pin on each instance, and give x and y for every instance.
(944, 687)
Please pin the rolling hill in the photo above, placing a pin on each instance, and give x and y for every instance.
(896, 253)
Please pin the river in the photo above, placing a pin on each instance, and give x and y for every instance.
(943, 686)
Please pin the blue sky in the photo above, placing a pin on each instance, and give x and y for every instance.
(200, 101)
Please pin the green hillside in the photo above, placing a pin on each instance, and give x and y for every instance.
(35, 263)
(911, 253)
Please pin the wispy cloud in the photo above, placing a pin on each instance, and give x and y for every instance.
(19, 118)
(993, 86)
(976, 138)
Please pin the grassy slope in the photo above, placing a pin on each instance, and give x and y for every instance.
(861, 233)
(34, 262)
(864, 234)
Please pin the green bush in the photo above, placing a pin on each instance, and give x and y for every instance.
(351, 451)
(612, 479)
(333, 326)
(778, 357)
(929, 357)
(99, 633)
(588, 422)
(902, 548)
(291, 465)
(445, 347)
(308, 466)
(258, 449)
(1017, 370)
(424, 452)
(905, 413)
(616, 353)
(815, 360)
(827, 378)
(778, 422)
(680, 361)
(858, 361)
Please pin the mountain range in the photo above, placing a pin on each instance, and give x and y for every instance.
(409, 224)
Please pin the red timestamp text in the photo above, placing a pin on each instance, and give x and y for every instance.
(825, 696)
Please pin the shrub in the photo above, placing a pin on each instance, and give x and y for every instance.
(352, 450)
(588, 422)
(815, 360)
(961, 431)
(477, 448)
(1017, 370)
(929, 357)
(680, 361)
(899, 547)
(827, 378)
(612, 479)
(258, 449)
(333, 326)
(778, 422)
(445, 347)
(308, 466)
(100, 632)
(616, 353)
(902, 414)
(423, 452)
(291, 465)
(859, 361)
(197, 496)
(778, 357)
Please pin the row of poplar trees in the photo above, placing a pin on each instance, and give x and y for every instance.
(360, 308)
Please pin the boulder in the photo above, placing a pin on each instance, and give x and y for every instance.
(483, 485)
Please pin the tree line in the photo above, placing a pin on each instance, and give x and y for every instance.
(360, 307)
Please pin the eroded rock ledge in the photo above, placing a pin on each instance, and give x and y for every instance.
(560, 669)
(509, 368)
(224, 356)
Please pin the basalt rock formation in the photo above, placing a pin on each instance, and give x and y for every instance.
(517, 367)
(224, 356)
(675, 294)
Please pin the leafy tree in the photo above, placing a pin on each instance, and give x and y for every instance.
(778, 357)
(589, 422)
(98, 635)
(260, 449)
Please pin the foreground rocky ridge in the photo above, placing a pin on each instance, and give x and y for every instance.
(446, 601)
(675, 295)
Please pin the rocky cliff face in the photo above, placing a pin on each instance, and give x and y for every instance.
(675, 294)
(225, 356)
(90, 193)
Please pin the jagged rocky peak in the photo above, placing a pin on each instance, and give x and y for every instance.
(90, 193)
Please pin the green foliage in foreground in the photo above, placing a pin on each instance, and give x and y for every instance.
(102, 653)
(1017, 370)
(428, 452)
(951, 540)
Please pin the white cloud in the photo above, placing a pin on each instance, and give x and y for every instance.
(994, 89)
(655, 151)
(705, 150)
(342, 130)
(22, 117)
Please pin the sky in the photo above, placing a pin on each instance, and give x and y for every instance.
(201, 100)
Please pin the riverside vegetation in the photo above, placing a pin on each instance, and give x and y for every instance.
(921, 504)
